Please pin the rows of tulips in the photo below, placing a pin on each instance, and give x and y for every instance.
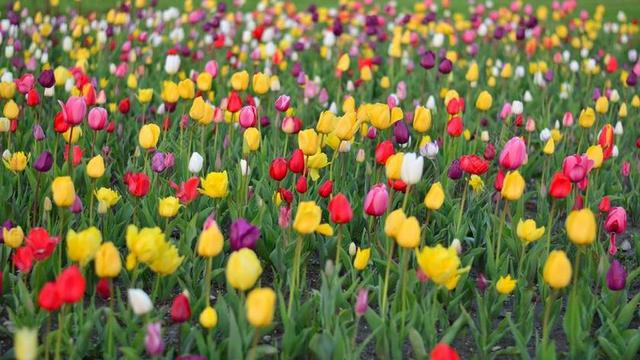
(353, 182)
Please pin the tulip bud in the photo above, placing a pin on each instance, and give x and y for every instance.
(616, 276)
(195, 163)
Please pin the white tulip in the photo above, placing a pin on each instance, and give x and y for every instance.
(615, 151)
(527, 96)
(545, 134)
(430, 150)
(618, 128)
(195, 163)
(244, 167)
(172, 64)
(517, 107)
(411, 171)
(139, 301)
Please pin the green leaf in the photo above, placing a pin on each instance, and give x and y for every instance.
(322, 346)
(417, 344)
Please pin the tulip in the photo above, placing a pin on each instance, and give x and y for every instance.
(215, 185)
(587, 117)
(139, 301)
(581, 226)
(74, 110)
(95, 167)
(168, 207)
(393, 166)
(514, 154)
(440, 264)
(195, 163)
(83, 246)
(375, 203)
(260, 83)
(362, 258)
(48, 298)
(278, 169)
(240, 81)
(44, 162)
(383, 151)
(473, 164)
(455, 170)
(71, 285)
(443, 351)
(484, 101)
(13, 237)
(25, 344)
(400, 132)
(260, 307)
(325, 189)
(506, 284)
(595, 154)
(296, 162)
(17, 161)
(148, 136)
(186, 89)
(557, 270)
(512, 186)
(97, 118)
(172, 62)
(153, 342)
(362, 300)
(180, 309)
(421, 119)
(616, 276)
(528, 231)
(408, 235)
(38, 132)
(282, 103)
(248, 117)
(138, 184)
(208, 318)
(411, 170)
(340, 209)
(108, 263)
(308, 217)
(243, 235)
(560, 186)
(210, 241)
(616, 223)
(251, 138)
(243, 269)
(22, 259)
(63, 191)
(308, 142)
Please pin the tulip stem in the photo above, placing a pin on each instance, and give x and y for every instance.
(254, 345)
(545, 321)
(207, 279)
(406, 197)
(110, 321)
(296, 270)
(386, 280)
(505, 210)
(93, 186)
(403, 284)
(464, 198)
(60, 331)
(576, 268)
(70, 152)
(338, 244)
(286, 143)
(550, 225)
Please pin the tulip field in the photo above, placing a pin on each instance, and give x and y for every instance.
(359, 179)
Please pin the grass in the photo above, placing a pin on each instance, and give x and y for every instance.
(630, 7)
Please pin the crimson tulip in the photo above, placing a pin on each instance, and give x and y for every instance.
(48, 298)
(383, 151)
(340, 209)
(180, 309)
(473, 164)
(137, 183)
(278, 169)
(296, 161)
(325, 189)
(560, 186)
(71, 285)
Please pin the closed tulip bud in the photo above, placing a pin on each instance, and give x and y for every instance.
(139, 301)
(512, 186)
(434, 198)
(97, 118)
(308, 217)
(340, 209)
(260, 307)
(195, 163)
(248, 116)
(421, 119)
(149, 136)
(557, 270)
(549, 147)
(393, 222)
(13, 237)
(361, 259)
(186, 89)
(616, 276)
(602, 105)
(514, 154)
(587, 117)
(282, 103)
(63, 191)
(38, 133)
(252, 138)
(153, 342)
(208, 318)
(595, 154)
(240, 81)
(260, 83)
(95, 167)
(411, 170)
(581, 226)
(361, 302)
(308, 142)
(168, 207)
(210, 241)
(243, 269)
(25, 344)
(408, 235)
(44, 162)
(107, 261)
(484, 101)
(375, 203)
(180, 308)
(11, 110)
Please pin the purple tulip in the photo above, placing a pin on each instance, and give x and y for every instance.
(77, 207)
(243, 235)
(481, 282)
(153, 342)
(445, 66)
(265, 121)
(44, 162)
(455, 171)
(47, 78)
(632, 79)
(428, 60)
(616, 276)
(595, 95)
(158, 162)
(38, 133)
(362, 302)
(400, 132)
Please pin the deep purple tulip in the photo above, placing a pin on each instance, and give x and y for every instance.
(455, 171)
(548, 76)
(595, 95)
(243, 235)
(428, 60)
(445, 66)
(47, 78)
(616, 276)
(265, 121)
(632, 79)
(400, 132)
(44, 162)
(481, 282)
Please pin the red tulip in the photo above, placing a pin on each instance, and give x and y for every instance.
(296, 162)
(605, 140)
(455, 127)
(455, 106)
(291, 125)
(89, 94)
(489, 152)
(560, 186)
(48, 298)
(605, 204)
(59, 125)
(234, 103)
(383, 151)
(180, 309)
(578, 203)
(124, 106)
(473, 164)
(103, 288)
(23, 259)
(340, 209)
(40, 243)
(497, 183)
(286, 195)
(443, 351)
(325, 189)
(71, 285)
(278, 169)
(76, 156)
(33, 98)
(398, 185)
(138, 183)
(187, 191)
(301, 184)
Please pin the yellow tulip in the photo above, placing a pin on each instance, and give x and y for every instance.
(484, 101)
(260, 306)
(17, 162)
(64, 193)
(208, 318)
(95, 167)
(440, 264)
(362, 258)
(148, 136)
(167, 261)
(11, 110)
(346, 126)
(602, 105)
(106, 197)
(408, 235)
(476, 183)
(343, 63)
(186, 89)
(240, 80)
(145, 95)
(215, 185)
(108, 263)
(170, 93)
(472, 73)
(144, 244)
(13, 237)
(422, 119)
(506, 284)
(25, 344)
(326, 122)
(72, 134)
(204, 81)
(596, 154)
(197, 109)
(168, 207)
(83, 246)
(252, 138)
(243, 269)
(587, 117)
(393, 222)
(549, 147)
(260, 83)
(210, 241)
(581, 226)
(308, 217)
(528, 231)
(308, 141)
(513, 186)
(434, 198)
(393, 166)
(557, 270)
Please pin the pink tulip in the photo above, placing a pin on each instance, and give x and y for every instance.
(625, 169)
(121, 70)
(282, 103)
(376, 201)
(97, 118)
(530, 126)
(577, 167)
(248, 116)
(616, 223)
(506, 111)
(212, 68)
(513, 154)
(74, 110)
(567, 119)
(25, 83)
